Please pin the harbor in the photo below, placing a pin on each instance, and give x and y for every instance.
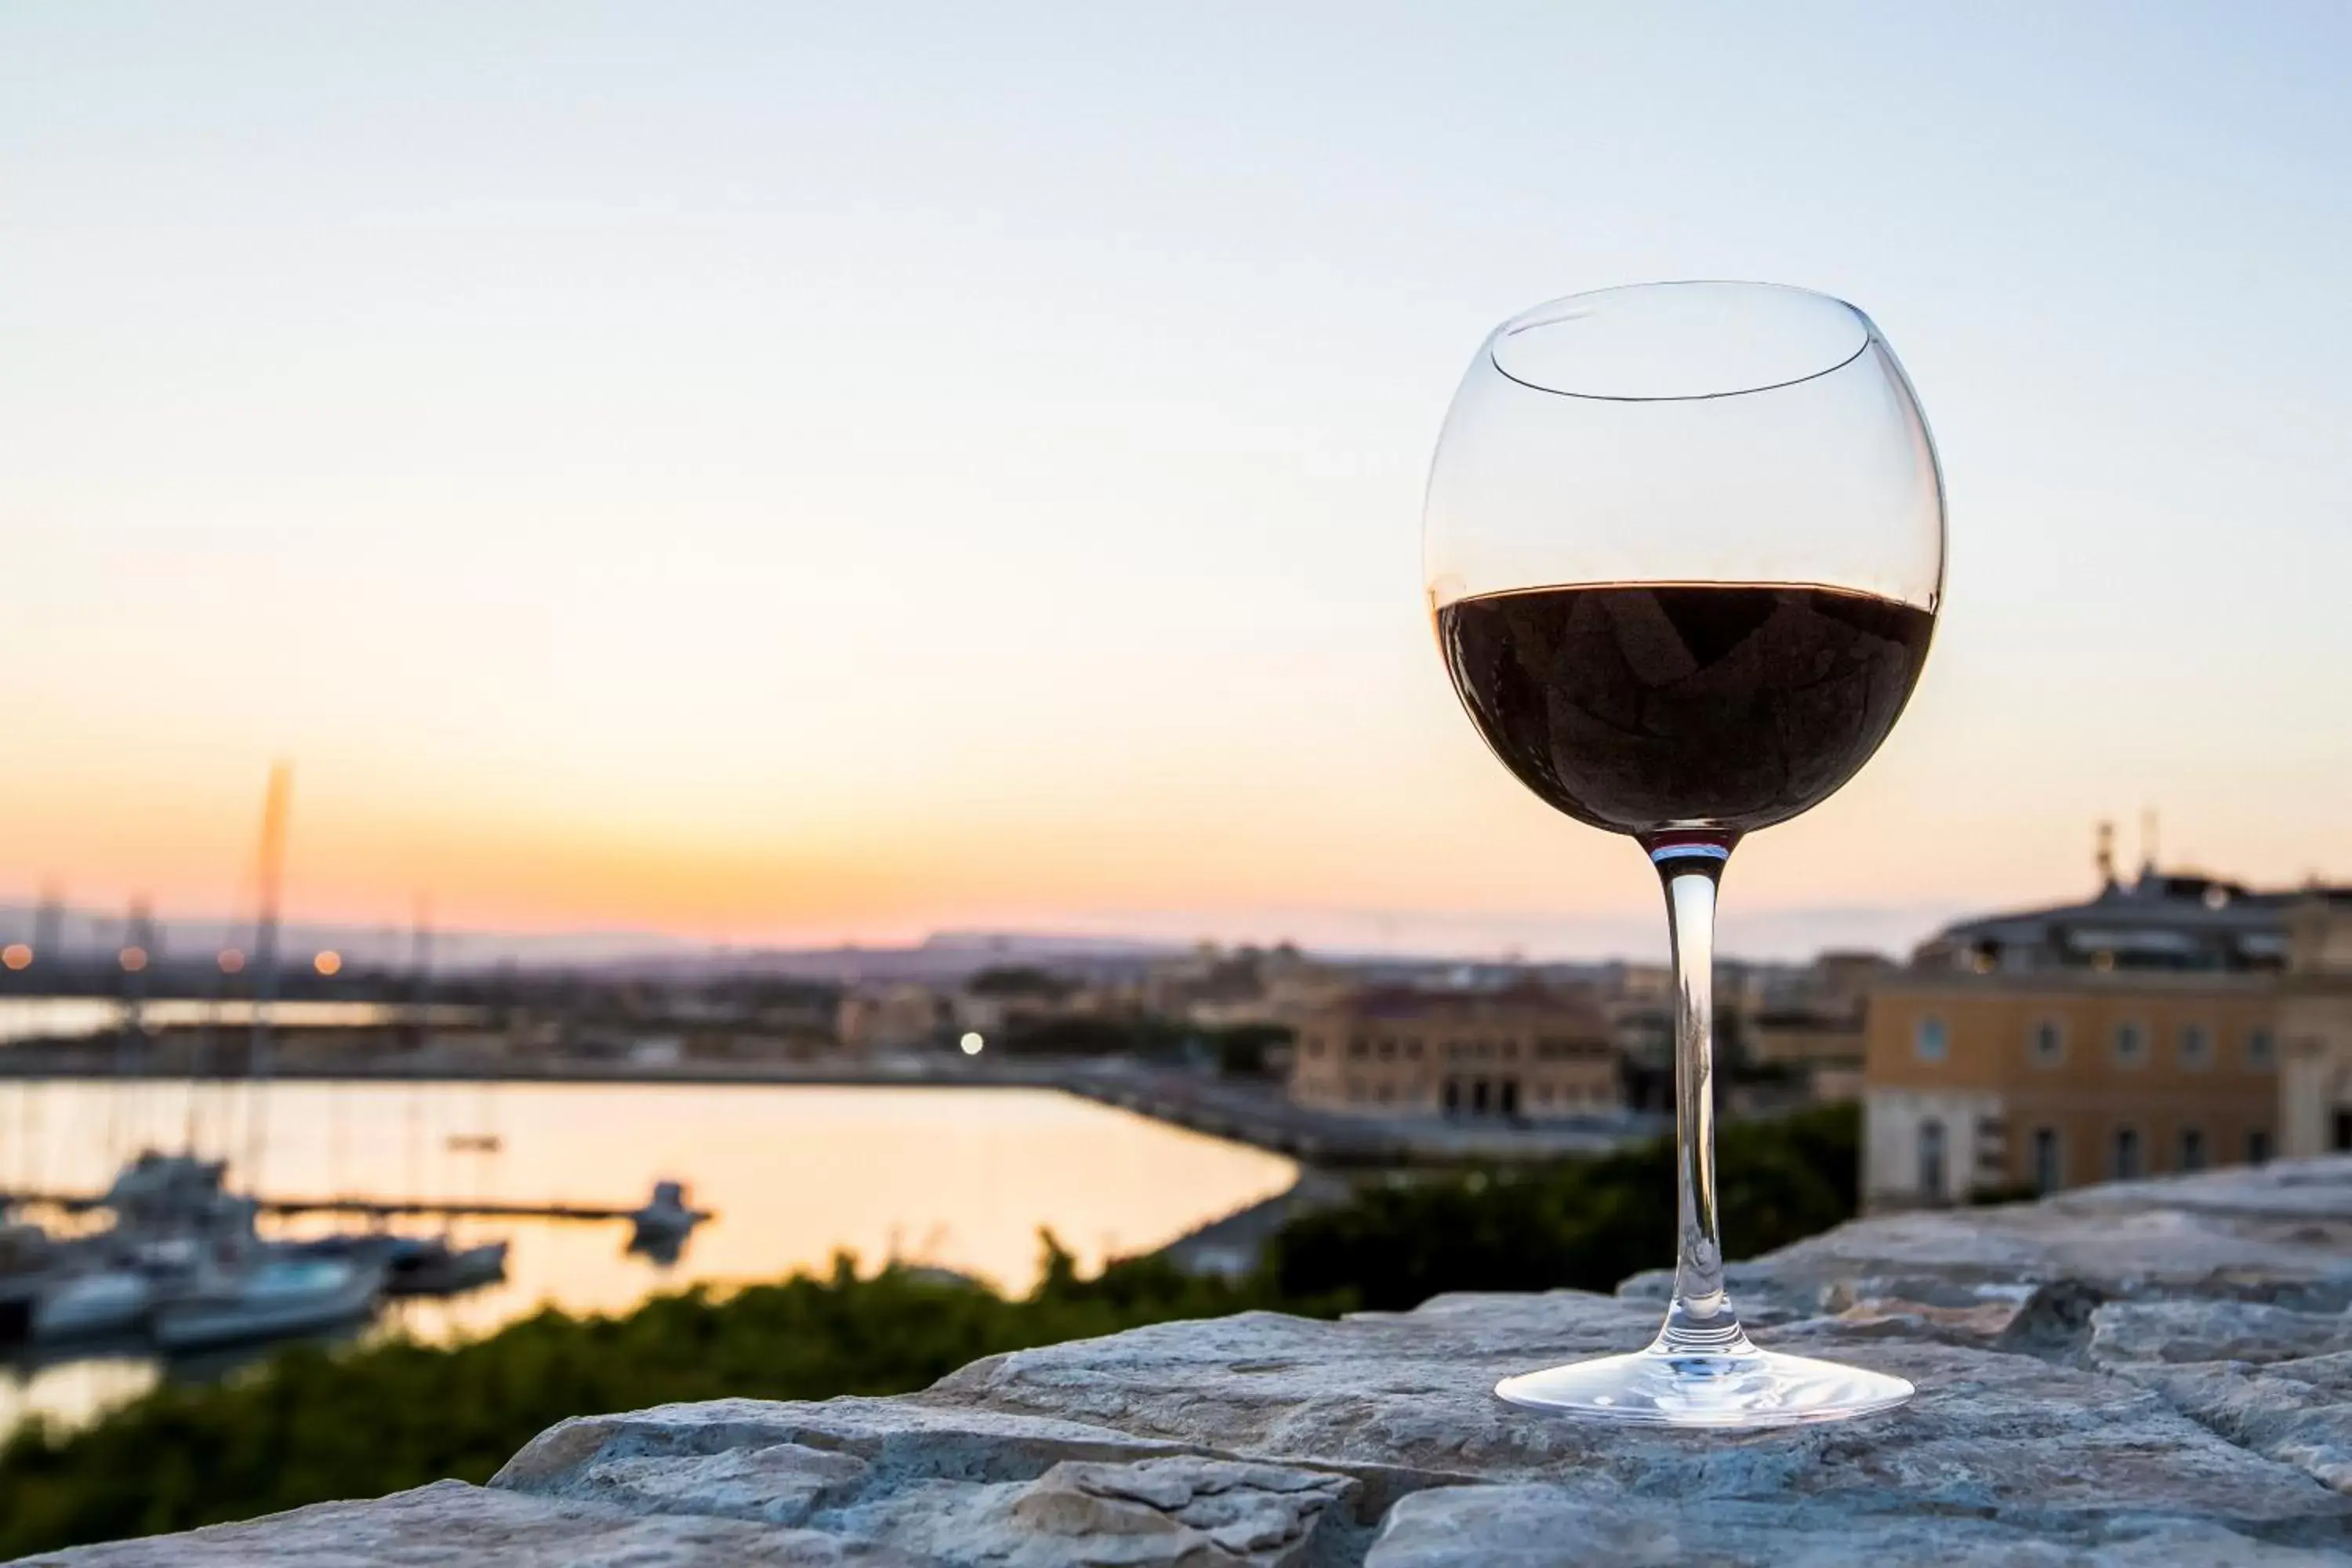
(789, 1176)
(181, 1263)
(1255, 1113)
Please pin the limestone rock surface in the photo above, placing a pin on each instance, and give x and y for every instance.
(2158, 1372)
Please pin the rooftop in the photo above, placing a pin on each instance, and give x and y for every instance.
(2160, 919)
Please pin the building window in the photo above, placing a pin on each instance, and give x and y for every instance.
(2196, 1046)
(1479, 1094)
(1388, 1049)
(2047, 1176)
(1314, 1045)
(2131, 1045)
(2339, 1131)
(2261, 1054)
(1929, 1039)
(1412, 1048)
(2127, 1154)
(1510, 1051)
(2258, 1147)
(2193, 1148)
(2049, 1043)
(1452, 1095)
(1509, 1097)
(1360, 1048)
(1931, 1161)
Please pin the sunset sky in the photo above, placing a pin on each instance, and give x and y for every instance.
(787, 473)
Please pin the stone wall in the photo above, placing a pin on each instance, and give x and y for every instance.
(2151, 1374)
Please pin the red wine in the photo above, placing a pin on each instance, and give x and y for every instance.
(1722, 707)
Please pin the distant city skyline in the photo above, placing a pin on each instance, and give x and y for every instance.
(779, 477)
(1773, 935)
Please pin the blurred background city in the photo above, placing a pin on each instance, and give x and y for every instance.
(641, 649)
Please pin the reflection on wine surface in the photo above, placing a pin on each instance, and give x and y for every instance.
(1644, 707)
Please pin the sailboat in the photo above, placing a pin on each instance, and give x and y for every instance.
(183, 1265)
(164, 1208)
(183, 1262)
(266, 1296)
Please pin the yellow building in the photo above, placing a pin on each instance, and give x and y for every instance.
(2058, 1078)
(1524, 1052)
(2315, 1028)
(891, 1018)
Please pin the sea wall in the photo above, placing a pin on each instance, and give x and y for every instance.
(2155, 1372)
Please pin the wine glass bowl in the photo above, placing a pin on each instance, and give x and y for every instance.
(1675, 433)
(1684, 543)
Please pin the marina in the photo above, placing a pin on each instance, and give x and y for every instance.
(788, 1177)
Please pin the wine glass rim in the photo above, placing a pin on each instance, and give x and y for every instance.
(1572, 307)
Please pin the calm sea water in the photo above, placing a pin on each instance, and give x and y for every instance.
(963, 1178)
(77, 1018)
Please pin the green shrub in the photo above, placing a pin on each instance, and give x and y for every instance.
(1583, 1224)
(311, 1426)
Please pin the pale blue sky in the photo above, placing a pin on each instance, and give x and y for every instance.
(793, 472)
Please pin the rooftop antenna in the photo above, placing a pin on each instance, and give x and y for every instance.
(2106, 855)
(271, 869)
(2147, 841)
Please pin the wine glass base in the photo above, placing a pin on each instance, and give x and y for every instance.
(1728, 1390)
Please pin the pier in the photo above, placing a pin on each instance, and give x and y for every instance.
(374, 1208)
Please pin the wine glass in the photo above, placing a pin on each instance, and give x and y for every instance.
(1685, 546)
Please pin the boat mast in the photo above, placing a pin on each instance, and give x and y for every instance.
(131, 1029)
(272, 868)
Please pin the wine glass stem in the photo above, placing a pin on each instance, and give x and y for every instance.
(1700, 1321)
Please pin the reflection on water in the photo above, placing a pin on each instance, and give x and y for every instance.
(963, 1178)
(78, 1017)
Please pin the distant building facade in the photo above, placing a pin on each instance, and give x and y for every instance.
(1811, 1027)
(1976, 1082)
(1520, 1053)
(892, 1018)
(1219, 988)
(2139, 1033)
(2315, 1030)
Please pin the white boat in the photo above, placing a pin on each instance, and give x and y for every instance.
(433, 1268)
(88, 1305)
(268, 1299)
(667, 1218)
